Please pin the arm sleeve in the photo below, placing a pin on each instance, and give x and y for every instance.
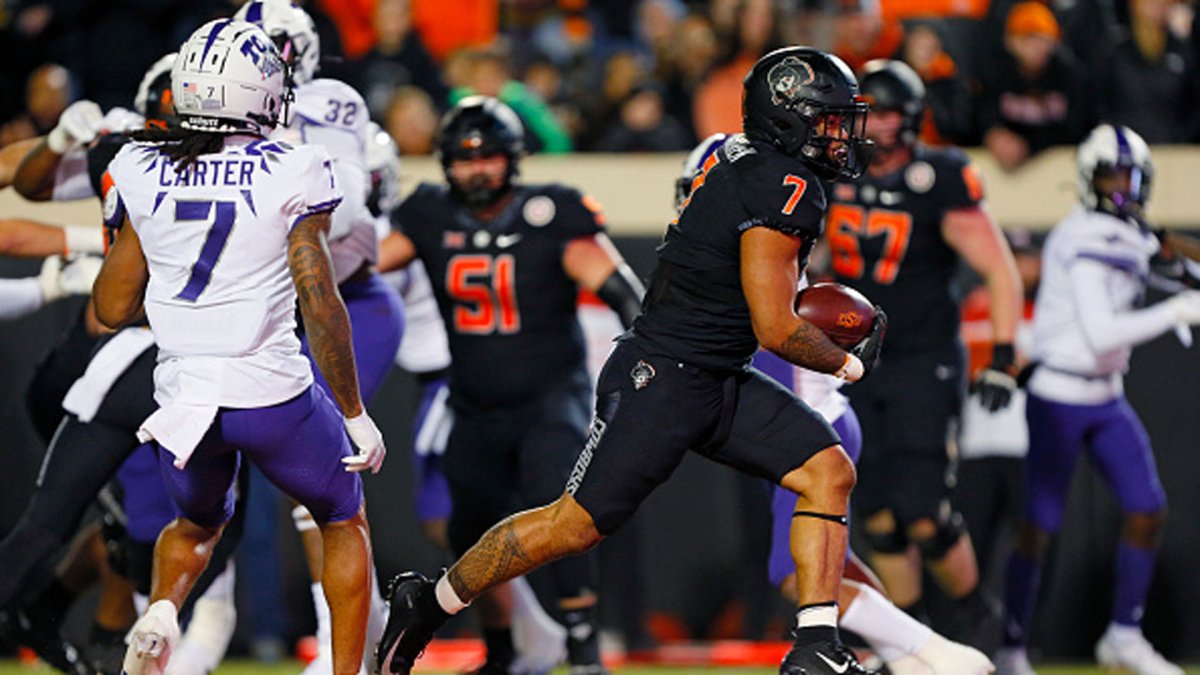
(1105, 327)
(19, 297)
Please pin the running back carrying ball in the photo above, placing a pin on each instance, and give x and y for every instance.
(841, 312)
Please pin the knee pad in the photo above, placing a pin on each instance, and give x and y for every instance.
(950, 529)
(893, 542)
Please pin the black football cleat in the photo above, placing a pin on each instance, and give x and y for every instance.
(822, 658)
(41, 635)
(413, 617)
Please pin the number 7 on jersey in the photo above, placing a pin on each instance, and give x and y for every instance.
(214, 242)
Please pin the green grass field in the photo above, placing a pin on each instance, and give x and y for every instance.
(249, 668)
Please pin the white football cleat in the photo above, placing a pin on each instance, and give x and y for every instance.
(151, 640)
(1013, 661)
(1126, 647)
(945, 657)
(909, 665)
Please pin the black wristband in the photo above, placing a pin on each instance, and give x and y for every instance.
(623, 293)
(1003, 357)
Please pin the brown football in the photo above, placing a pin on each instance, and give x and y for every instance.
(841, 312)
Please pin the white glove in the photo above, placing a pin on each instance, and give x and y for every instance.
(366, 437)
(1185, 306)
(78, 125)
(75, 277)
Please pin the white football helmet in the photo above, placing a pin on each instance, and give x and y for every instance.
(1111, 149)
(229, 78)
(150, 81)
(692, 165)
(292, 30)
(383, 165)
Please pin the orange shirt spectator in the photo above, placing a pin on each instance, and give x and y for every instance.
(717, 107)
(896, 10)
(355, 20)
(449, 25)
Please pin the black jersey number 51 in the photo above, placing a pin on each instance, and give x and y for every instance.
(484, 289)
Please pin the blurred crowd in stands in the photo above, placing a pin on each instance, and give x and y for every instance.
(656, 75)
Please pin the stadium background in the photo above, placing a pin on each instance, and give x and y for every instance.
(694, 532)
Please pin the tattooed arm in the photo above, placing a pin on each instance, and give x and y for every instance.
(325, 320)
(770, 277)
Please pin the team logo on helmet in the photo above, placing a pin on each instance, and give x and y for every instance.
(786, 77)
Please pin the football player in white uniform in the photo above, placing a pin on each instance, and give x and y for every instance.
(331, 114)
(223, 235)
(1095, 266)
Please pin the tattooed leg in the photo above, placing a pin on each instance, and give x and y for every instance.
(521, 543)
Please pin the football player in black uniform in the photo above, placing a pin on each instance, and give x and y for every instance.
(507, 262)
(897, 234)
(680, 379)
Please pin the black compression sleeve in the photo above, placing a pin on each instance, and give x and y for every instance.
(623, 293)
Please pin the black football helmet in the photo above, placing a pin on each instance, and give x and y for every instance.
(888, 84)
(806, 103)
(480, 126)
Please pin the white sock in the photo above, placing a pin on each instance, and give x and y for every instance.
(447, 598)
(214, 618)
(376, 621)
(890, 632)
(536, 635)
(141, 603)
(820, 615)
(324, 623)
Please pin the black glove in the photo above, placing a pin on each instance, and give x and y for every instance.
(869, 349)
(996, 383)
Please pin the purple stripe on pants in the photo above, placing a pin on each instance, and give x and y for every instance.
(1117, 443)
(148, 507)
(783, 503)
(377, 323)
(298, 445)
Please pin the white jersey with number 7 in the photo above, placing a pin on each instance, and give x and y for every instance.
(220, 299)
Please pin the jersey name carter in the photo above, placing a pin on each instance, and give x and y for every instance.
(220, 298)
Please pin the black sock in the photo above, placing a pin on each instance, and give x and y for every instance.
(499, 644)
(583, 636)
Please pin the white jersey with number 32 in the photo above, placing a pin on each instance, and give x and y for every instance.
(331, 114)
(220, 299)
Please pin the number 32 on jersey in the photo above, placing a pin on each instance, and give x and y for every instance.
(484, 289)
(848, 225)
